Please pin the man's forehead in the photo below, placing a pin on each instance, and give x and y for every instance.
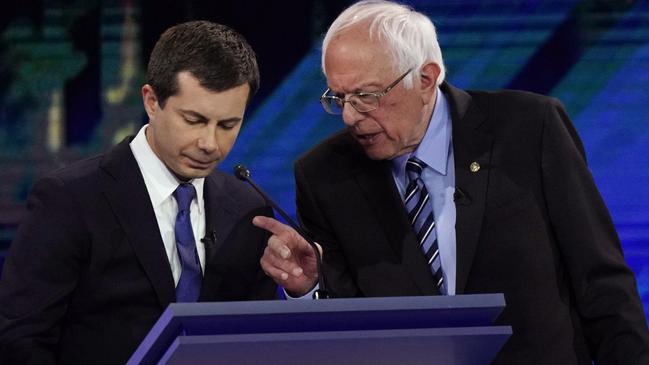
(349, 53)
(344, 75)
(354, 41)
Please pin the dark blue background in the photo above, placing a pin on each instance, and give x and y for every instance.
(590, 54)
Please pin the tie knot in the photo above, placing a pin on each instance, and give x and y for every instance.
(414, 167)
(184, 195)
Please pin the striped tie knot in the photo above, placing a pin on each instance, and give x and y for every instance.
(414, 168)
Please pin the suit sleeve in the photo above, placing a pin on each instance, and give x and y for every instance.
(40, 272)
(604, 287)
(263, 288)
(339, 281)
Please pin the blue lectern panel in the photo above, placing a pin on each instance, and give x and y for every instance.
(269, 319)
(447, 346)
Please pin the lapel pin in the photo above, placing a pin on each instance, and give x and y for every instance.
(474, 167)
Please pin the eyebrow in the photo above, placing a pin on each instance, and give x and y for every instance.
(361, 88)
(230, 120)
(202, 117)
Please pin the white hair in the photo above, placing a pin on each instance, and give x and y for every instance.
(410, 36)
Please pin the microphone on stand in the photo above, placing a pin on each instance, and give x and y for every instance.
(242, 173)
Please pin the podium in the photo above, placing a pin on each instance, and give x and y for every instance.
(392, 330)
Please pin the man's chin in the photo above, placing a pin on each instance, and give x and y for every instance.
(198, 173)
(377, 150)
(377, 153)
(385, 152)
(190, 173)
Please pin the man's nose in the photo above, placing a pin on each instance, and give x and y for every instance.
(350, 115)
(208, 142)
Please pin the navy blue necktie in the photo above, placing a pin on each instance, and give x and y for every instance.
(189, 285)
(420, 212)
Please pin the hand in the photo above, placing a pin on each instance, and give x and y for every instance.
(288, 258)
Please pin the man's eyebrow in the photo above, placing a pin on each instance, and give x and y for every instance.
(192, 113)
(361, 88)
(231, 120)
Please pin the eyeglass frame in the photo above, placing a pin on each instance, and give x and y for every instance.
(377, 95)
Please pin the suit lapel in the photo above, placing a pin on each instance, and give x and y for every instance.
(470, 145)
(220, 216)
(127, 195)
(377, 184)
(220, 209)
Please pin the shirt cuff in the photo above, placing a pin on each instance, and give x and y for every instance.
(308, 295)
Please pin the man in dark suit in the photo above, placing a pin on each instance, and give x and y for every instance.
(110, 241)
(433, 190)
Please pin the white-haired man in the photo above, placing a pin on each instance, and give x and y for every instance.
(434, 190)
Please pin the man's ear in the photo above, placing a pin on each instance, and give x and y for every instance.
(428, 74)
(150, 101)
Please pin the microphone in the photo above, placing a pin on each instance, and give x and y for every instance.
(460, 197)
(242, 173)
(210, 238)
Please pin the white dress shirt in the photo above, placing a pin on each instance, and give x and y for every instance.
(161, 184)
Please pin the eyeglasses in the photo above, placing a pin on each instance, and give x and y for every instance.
(362, 102)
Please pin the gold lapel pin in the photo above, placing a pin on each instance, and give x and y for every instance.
(474, 167)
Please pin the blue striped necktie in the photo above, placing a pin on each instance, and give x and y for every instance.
(420, 212)
(191, 276)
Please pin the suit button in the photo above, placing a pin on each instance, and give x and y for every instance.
(474, 167)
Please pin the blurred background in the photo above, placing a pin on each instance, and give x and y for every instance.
(71, 72)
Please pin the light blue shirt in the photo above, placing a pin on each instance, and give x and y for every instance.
(436, 150)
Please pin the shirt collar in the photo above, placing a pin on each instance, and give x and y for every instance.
(434, 146)
(159, 181)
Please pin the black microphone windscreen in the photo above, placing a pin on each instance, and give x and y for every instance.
(241, 172)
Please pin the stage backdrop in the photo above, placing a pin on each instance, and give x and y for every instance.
(70, 74)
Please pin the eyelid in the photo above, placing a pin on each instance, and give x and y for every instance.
(358, 94)
(192, 119)
(365, 93)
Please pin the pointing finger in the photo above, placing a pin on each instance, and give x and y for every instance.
(272, 225)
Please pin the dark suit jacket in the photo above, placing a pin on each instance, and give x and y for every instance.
(530, 224)
(87, 274)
